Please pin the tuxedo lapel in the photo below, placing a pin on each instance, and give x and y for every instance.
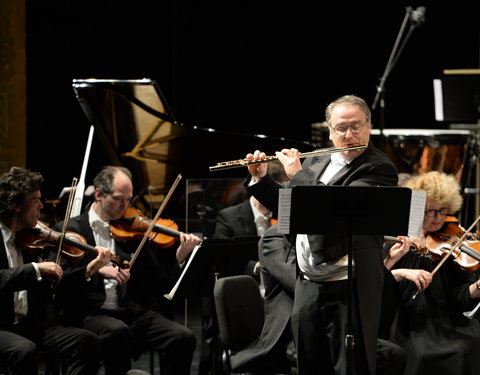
(318, 167)
(354, 165)
(340, 174)
(3, 254)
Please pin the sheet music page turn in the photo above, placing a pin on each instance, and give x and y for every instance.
(284, 209)
(417, 211)
(177, 284)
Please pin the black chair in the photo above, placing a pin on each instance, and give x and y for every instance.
(239, 314)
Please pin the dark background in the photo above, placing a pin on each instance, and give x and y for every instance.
(253, 67)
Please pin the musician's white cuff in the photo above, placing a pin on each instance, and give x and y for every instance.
(37, 271)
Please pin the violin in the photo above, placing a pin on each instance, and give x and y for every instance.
(134, 224)
(41, 238)
(466, 255)
(413, 247)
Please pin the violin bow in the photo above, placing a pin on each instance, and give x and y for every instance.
(80, 190)
(452, 249)
(67, 217)
(157, 216)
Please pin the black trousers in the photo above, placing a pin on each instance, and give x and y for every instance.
(124, 338)
(319, 327)
(391, 358)
(78, 349)
(319, 322)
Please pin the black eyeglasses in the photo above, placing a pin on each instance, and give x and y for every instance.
(355, 128)
(432, 212)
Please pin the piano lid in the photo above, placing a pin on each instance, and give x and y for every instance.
(138, 130)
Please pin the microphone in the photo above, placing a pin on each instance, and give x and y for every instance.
(417, 16)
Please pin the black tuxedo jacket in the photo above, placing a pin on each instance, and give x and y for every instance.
(153, 274)
(235, 221)
(23, 278)
(371, 168)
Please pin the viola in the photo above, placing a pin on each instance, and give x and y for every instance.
(134, 224)
(41, 239)
(439, 244)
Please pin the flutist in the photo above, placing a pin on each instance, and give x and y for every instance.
(320, 311)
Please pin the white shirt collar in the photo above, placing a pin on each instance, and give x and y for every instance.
(95, 221)
(336, 159)
(7, 234)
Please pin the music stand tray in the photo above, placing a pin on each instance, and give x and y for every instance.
(349, 210)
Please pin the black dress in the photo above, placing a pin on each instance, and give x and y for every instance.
(431, 327)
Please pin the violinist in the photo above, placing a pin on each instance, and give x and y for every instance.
(25, 289)
(119, 304)
(430, 324)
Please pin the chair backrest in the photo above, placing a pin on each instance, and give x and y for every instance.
(239, 310)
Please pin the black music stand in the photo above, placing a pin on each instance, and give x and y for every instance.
(346, 210)
(215, 257)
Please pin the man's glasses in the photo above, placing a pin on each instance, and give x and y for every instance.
(355, 128)
(432, 212)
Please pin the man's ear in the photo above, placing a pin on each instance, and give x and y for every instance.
(97, 194)
(16, 207)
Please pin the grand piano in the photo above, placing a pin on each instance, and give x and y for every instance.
(138, 129)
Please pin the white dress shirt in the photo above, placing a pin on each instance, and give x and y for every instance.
(15, 259)
(331, 270)
(101, 233)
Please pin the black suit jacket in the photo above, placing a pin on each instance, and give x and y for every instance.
(152, 275)
(23, 278)
(371, 168)
(235, 221)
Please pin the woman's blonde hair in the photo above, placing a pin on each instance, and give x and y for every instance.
(441, 188)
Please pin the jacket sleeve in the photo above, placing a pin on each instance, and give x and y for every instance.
(17, 278)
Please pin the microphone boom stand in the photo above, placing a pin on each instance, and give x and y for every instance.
(394, 55)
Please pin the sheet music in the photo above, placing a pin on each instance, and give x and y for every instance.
(284, 209)
(184, 271)
(417, 212)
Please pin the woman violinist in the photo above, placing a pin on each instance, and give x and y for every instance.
(430, 324)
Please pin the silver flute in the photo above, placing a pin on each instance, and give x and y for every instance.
(245, 162)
